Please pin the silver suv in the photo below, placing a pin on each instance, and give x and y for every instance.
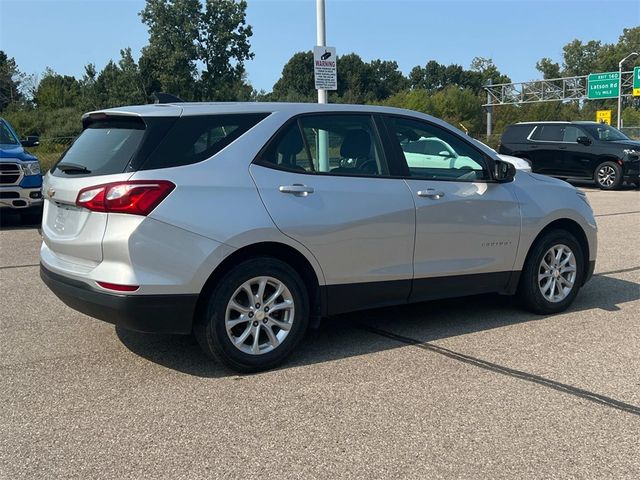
(247, 223)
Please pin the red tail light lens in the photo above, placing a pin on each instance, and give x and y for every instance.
(138, 197)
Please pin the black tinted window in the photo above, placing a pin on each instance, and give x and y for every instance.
(105, 147)
(549, 133)
(516, 133)
(196, 138)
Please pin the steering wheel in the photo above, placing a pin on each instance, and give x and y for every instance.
(370, 166)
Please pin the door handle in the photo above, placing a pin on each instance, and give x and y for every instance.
(296, 189)
(430, 193)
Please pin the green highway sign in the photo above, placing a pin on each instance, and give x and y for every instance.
(636, 82)
(603, 85)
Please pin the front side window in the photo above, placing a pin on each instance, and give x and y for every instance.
(605, 132)
(433, 153)
(328, 144)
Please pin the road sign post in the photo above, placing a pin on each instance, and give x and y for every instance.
(603, 85)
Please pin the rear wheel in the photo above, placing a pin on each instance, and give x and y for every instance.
(255, 316)
(552, 274)
(608, 175)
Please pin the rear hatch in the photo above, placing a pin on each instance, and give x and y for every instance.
(109, 149)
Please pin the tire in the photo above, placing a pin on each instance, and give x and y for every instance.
(608, 175)
(531, 290)
(244, 318)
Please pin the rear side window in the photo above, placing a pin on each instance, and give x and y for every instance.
(549, 133)
(105, 147)
(196, 138)
(516, 133)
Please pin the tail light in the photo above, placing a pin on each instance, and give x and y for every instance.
(137, 197)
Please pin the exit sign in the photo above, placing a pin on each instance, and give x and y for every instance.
(603, 85)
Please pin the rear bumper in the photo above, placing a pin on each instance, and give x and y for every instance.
(143, 313)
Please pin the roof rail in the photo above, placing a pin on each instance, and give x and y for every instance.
(161, 97)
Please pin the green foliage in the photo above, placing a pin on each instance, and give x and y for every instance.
(168, 63)
(10, 79)
(57, 91)
(224, 47)
(454, 105)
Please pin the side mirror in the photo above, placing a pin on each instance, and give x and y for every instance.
(584, 140)
(503, 172)
(31, 141)
(445, 153)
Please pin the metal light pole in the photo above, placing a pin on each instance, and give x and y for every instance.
(634, 54)
(321, 40)
(323, 135)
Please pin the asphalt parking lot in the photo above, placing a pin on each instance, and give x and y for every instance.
(464, 388)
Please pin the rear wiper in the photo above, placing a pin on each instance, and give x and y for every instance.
(73, 167)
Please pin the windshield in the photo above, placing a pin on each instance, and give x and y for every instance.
(6, 135)
(604, 132)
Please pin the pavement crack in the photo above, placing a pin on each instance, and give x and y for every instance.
(617, 213)
(7, 267)
(622, 270)
(494, 367)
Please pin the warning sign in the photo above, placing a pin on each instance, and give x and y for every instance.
(324, 68)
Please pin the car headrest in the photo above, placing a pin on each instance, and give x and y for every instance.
(291, 144)
(356, 144)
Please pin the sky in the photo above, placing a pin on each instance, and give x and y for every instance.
(68, 34)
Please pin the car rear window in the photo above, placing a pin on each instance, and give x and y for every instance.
(104, 147)
(113, 145)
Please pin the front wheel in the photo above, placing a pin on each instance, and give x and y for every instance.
(553, 273)
(256, 315)
(608, 175)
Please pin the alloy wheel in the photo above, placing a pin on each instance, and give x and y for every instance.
(557, 273)
(259, 315)
(606, 175)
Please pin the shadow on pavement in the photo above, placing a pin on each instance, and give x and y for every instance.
(14, 221)
(373, 330)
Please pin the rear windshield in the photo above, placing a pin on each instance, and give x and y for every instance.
(103, 148)
(126, 144)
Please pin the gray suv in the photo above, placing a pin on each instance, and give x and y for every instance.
(247, 223)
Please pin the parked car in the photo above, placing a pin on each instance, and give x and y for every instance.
(575, 150)
(20, 178)
(231, 222)
(519, 163)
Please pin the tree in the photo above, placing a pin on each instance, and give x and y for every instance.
(581, 59)
(296, 84)
(548, 68)
(169, 61)
(386, 79)
(57, 91)
(10, 79)
(224, 47)
(121, 83)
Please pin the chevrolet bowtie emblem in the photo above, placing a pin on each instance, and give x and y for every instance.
(51, 192)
